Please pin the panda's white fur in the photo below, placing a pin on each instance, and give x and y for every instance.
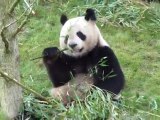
(88, 28)
(77, 87)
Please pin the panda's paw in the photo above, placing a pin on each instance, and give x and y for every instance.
(51, 52)
(50, 55)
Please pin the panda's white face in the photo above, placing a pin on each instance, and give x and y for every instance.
(79, 36)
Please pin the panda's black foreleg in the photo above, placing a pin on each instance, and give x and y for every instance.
(108, 75)
(58, 70)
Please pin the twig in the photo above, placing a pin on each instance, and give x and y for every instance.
(142, 111)
(22, 25)
(5, 75)
(29, 7)
(25, 20)
(13, 6)
(6, 26)
(46, 55)
(4, 39)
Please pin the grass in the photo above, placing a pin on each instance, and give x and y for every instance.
(137, 47)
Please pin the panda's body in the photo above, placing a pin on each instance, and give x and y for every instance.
(87, 61)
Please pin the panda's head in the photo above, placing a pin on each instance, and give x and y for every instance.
(80, 35)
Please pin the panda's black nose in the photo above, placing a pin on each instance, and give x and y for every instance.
(72, 45)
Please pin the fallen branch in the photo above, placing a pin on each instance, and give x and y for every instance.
(6, 76)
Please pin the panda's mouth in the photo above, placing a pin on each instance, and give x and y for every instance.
(80, 50)
(76, 51)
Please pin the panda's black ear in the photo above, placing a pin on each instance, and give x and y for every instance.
(63, 19)
(90, 15)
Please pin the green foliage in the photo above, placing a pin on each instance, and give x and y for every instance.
(132, 30)
(115, 12)
(95, 102)
(96, 105)
(2, 115)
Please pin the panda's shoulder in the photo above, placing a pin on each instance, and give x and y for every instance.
(102, 51)
(106, 50)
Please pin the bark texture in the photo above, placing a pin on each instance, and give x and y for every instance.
(10, 94)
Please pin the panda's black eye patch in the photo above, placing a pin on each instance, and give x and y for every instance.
(81, 35)
(66, 39)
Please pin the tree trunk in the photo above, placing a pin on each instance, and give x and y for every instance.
(10, 94)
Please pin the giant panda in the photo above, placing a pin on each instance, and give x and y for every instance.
(87, 60)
